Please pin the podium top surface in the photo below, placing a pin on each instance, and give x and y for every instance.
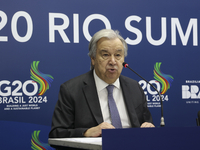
(81, 143)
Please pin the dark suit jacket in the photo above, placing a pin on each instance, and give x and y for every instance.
(78, 107)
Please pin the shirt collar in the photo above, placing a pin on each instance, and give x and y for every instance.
(100, 84)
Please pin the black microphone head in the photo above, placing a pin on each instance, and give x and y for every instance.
(125, 64)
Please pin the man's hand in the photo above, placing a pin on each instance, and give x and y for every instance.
(147, 125)
(96, 131)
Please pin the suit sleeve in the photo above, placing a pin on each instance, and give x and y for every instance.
(64, 117)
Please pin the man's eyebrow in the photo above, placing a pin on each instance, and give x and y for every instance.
(103, 50)
(119, 50)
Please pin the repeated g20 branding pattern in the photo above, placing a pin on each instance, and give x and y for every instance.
(43, 79)
(22, 95)
(37, 144)
(162, 82)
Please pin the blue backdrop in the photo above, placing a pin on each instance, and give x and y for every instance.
(43, 44)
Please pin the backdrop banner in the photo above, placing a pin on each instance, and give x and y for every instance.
(45, 43)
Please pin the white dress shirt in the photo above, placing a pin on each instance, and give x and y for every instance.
(118, 97)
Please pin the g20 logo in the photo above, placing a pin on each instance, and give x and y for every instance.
(162, 84)
(14, 92)
(17, 88)
(148, 89)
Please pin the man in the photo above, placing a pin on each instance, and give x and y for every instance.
(82, 108)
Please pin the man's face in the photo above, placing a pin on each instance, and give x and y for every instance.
(109, 59)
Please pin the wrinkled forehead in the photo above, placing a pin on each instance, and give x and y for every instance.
(107, 43)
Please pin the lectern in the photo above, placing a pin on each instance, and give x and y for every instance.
(166, 138)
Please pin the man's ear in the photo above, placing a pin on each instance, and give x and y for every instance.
(92, 60)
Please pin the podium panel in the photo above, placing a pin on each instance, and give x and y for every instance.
(165, 138)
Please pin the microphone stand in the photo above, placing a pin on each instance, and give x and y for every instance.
(162, 123)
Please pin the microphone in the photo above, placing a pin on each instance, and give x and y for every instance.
(162, 123)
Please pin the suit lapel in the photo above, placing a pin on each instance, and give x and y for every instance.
(90, 93)
(129, 99)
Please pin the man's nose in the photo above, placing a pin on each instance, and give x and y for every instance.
(112, 60)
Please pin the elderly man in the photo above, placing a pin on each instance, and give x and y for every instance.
(102, 98)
